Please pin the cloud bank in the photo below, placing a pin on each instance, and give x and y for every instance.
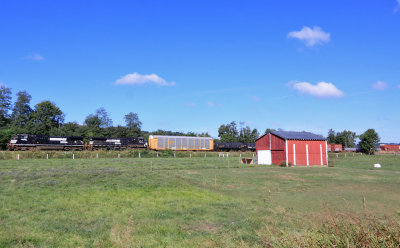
(34, 56)
(320, 90)
(139, 79)
(379, 85)
(311, 36)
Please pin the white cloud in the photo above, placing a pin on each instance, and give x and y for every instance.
(139, 79)
(190, 104)
(34, 56)
(311, 36)
(397, 6)
(379, 85)
(212, 104)
(320, 90)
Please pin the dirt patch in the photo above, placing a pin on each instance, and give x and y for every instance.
(204, 227)
(291, 178)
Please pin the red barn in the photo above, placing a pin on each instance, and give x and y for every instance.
(296, 148)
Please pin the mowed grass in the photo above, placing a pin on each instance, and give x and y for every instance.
(175, 202)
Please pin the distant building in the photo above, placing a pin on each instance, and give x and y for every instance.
(295, 148)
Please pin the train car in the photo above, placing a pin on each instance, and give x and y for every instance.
(229, 146)
(234, 146)
(97, 143)
(180, 143)
(335, 148)
(251, 147)
(41, 142)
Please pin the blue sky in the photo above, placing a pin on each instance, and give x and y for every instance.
(194, 65)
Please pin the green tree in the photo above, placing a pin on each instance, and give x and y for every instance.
(269, 130)
(105, 120)
(346, 138)
(5, 105)
(331, 136)
(368, 141)
(21, 111)
(69, 129)
(133, 124)
(44, 117)
(246, 135)
(228, 133)
(93, 123)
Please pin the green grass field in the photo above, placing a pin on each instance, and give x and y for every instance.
(174, 202)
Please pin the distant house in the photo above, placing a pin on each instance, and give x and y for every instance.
(295, 148)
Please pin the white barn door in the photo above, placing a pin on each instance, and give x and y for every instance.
(264, 157)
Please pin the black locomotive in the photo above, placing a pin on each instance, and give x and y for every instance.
(234, 146)
(97, 143)
(42, 142)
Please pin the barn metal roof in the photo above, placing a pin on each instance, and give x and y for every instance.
(293, 135)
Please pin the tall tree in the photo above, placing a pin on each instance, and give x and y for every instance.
(331, 136)
(346, 138)
(5, 105)
(21, 111)
(246, 135)
(133, 124)
(105, 120)
(228, 133)
(368, 141)
(93, 124)
(45, 116)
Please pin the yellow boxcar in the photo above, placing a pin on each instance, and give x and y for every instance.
(180, 143)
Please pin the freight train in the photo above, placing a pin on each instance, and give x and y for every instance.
(156, 142)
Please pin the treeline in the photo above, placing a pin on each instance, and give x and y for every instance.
(367, 140)
(231, 133)
(46, 118)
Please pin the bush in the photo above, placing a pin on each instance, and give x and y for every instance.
(282, 164)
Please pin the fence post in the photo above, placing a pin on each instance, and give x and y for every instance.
(139, 154)
(227, 155)
(119, 155)
(240, 155)
(174, 155)
(97, 155)
(190, 155)
(18, 156)
(345, 155)
(73, 156)
(253, 155)
(47, 156)
(157, 154)
(337, 155)
(205, 155)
